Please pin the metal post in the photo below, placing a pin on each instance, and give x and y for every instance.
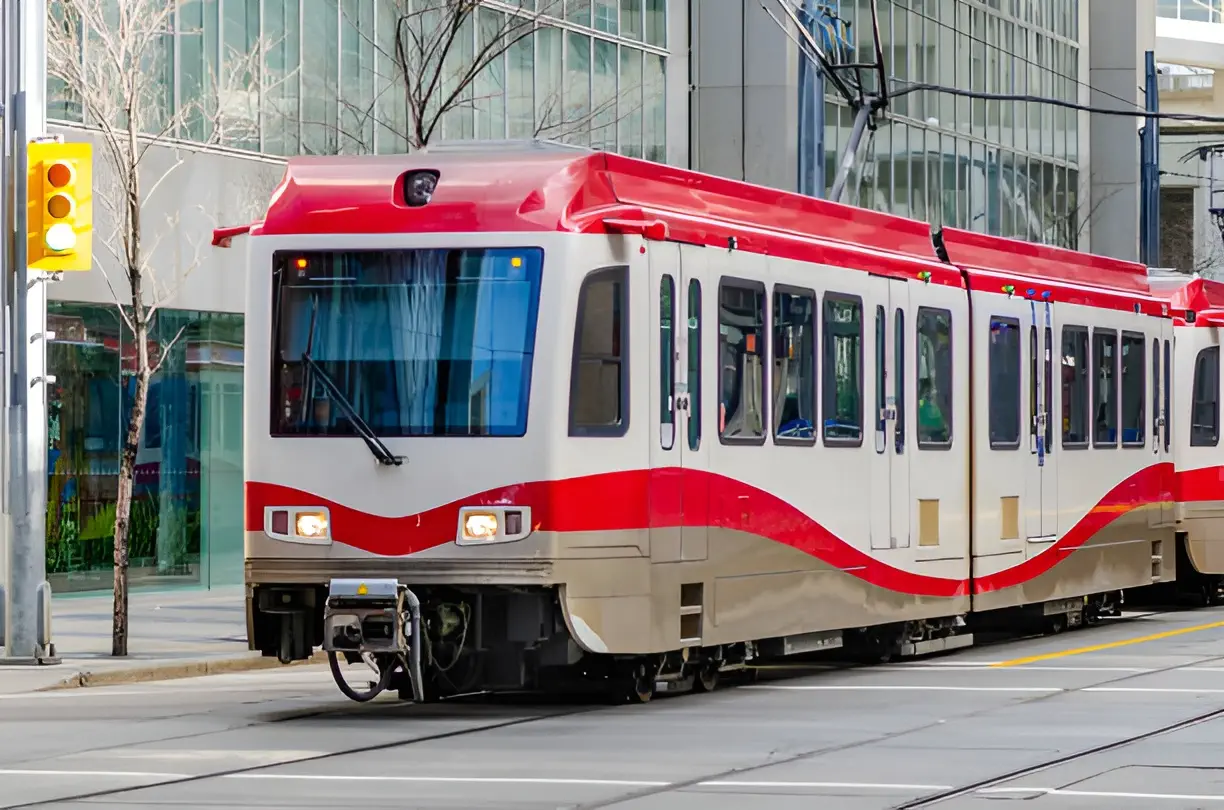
(28, 617)
(1152, 125)
(850, 153)
(811, 115)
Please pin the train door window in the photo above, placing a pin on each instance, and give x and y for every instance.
(1205, 418)
(899, 380)
(599, 378)
(741, 339)
(1032, 397)
(1134, 390)
(879, 378)
(694, 364)
(667, 362)
(1105, 388)
(934, 356)
(1004, 383)
(1075, 374)
(843, 370)
(794, 366)
(1168, 396)
(1048, 361)
(1155, 392)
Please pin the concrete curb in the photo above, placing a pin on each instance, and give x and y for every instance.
(169, 672)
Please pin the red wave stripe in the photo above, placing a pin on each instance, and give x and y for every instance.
(1205, 484)
(640, 499)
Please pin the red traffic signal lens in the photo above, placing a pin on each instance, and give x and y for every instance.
(59, 174)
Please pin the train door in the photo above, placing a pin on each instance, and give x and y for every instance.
(678, 501)
(890, 526)
(1041, 474)
(1159, 440)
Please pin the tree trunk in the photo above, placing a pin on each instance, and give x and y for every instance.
(123, 506)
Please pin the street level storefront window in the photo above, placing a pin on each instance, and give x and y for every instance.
(187, 505)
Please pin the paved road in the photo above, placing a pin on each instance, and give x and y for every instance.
(861, 739)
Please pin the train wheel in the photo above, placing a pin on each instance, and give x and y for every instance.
(706, 679)
(641, 684)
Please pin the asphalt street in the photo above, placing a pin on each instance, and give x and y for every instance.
(1055, 722)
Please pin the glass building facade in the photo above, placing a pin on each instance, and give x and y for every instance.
(1008, 168)
(590, 73)
(1192, 10)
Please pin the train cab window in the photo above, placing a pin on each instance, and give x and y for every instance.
(934, 356)
(694, 364)
(599, 378)
(842, 370)
(741, 346)
(1205, 417)
(794, 366)
(667, 362)
(1075, 374)
(1004, 383)
(1105, 388)
(1134, 390)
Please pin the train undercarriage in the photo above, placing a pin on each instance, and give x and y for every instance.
(513, 639)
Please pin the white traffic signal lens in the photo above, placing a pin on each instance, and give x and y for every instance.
(61, 237)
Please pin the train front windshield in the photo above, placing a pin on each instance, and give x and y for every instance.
(435, 342)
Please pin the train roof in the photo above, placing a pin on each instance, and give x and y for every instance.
(1191, 294)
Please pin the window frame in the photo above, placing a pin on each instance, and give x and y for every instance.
(990, 387)
(617, 272)
(1140, 339)
(1095, 383)
(1213, 350)
(1063, 386)
(929, 445)
(828, 387)
(692, 350)
(814, 322)
(766, 351)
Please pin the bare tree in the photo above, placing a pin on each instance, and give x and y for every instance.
(110, 58)
(455, 68)
(1188, 243)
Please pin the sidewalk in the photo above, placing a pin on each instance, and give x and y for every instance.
(171, 635)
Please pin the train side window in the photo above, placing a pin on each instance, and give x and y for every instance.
(741, 347)
(1004, 383)
(667, 362)
(842, 372)
(1205, 417)
(694, 364)
(934, 356)
(899, 380)
(1105, 388)
(1168, 396)
(794, 366)
(599, 374)
(1134, 390)
(1075, 369)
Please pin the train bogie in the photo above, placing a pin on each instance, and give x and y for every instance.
(571, 415)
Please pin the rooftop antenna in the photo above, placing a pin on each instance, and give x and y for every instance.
(849, 78)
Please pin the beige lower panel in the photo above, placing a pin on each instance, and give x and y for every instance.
(1117, 557)
(1204, 528)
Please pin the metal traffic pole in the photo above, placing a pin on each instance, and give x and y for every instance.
(27, 633)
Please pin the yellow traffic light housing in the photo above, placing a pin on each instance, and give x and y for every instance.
(60, 206)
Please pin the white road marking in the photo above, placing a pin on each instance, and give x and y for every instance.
(993, 668)
(635, 783)
(901, 688)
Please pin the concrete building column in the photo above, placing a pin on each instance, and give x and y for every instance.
(1119, 32)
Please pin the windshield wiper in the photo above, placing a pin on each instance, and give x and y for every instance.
(380, 450)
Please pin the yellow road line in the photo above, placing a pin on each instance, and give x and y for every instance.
(1016, 662)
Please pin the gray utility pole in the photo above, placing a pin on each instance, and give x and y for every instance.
(27, 614)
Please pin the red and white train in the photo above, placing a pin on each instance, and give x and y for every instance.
(520, 414)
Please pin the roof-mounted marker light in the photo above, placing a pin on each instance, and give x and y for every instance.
(419, 187)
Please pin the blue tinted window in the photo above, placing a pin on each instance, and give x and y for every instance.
(420, 342)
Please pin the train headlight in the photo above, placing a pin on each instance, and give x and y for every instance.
(479, 526)
(311, 524)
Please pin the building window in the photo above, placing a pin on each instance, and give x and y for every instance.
(1105, 388)
(1134, 390)
(934, 356)
(599, 383)
(794, 365)
(741, 342)
(1004, 383)
(1205, 417)
(842, 369)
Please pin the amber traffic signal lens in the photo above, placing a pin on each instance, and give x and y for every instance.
(59, 174)
(59, 206)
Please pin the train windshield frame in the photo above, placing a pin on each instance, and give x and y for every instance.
(404, 342)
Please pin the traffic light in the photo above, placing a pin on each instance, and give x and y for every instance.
(60, 206)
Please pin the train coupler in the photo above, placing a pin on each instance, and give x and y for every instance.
(378, 620)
